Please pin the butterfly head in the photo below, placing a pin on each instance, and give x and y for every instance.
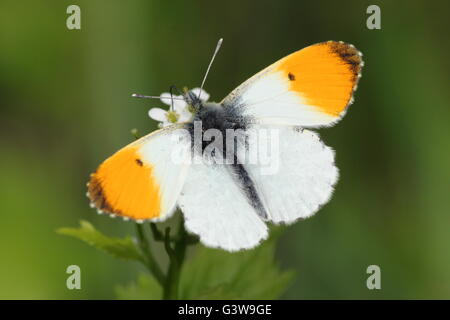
(193, 101)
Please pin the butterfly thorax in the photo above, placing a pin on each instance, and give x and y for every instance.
(215, 116)
(212, 120)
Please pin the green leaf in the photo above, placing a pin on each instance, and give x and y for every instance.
(146, 288)
(123, 248)
(250, 274)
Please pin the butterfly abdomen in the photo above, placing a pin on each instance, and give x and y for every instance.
(247, 185)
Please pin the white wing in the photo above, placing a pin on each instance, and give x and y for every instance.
(216, 209)
(298, 175)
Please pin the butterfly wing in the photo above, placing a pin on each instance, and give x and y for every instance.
(143, 180)
(216, 208)
(295, 176)
(311, 87)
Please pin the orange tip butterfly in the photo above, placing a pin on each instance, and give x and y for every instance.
(225, 198)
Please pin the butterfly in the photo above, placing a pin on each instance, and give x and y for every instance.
(228, 204)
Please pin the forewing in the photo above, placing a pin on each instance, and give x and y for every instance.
(143, 180)
(310, 88)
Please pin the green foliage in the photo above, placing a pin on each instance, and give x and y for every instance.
(250, 274)
(122, 248)
(217, 274)
(208, 274)
(146, 288)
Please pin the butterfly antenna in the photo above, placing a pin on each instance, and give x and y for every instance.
(141, 96)
(173, 87)
(219, 43)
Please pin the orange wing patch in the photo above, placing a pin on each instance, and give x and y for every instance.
(125, 185)
(325, 74)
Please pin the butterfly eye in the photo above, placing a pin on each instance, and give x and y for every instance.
(193, 100)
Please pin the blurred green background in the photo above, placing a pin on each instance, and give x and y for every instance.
(66, 105)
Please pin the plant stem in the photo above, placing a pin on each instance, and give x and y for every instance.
(176, 250)
(150, 262)
(176, 259)
(157, 235)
